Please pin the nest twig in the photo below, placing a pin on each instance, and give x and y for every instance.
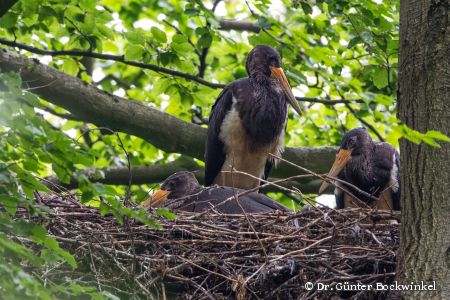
(214, 256)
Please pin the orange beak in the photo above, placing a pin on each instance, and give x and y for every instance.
(342, 158)
(157, 199)
(278, 73)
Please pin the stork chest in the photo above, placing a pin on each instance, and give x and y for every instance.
(243, 153)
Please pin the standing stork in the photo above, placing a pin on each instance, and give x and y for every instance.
(371, 166)
(247, 123)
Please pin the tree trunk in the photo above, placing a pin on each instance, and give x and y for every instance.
(424, 94)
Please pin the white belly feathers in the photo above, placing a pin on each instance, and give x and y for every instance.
(240, 156)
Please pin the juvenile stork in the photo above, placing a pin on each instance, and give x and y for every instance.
(182, 192)
(371, 166)
(247, 122)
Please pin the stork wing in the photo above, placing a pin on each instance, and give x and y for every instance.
(387, 166)
(215, 153)
(396, 193)
(223, 200)
(260, 200)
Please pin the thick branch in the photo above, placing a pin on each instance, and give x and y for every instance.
(140, 174)
(239, 25)
(5, 5)
(164, 131)
(158, 172)
(93, 105)
(121, 58)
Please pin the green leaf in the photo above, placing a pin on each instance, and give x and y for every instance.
(379, 76)
(70, 67)
(307, 9)
(88, 5)
(88, 25)
(8, 21)
(354, 41)
(105, 31)
(9, 203)
(430, 142)
(159, 35)
(383, 99)
(134, 52)
(205, 41)
(135, 37)
(164, 212)
(437, 135)
(191, 11)
(181, 45)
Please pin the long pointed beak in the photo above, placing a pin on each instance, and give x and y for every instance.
(342, 158)
(157, 199)
(278, 73)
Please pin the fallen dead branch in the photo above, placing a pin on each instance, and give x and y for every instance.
(213, 256)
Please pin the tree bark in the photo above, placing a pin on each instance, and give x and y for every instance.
(424, 93)
(166, 132)
(238, 25)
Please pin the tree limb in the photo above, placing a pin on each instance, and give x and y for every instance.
(118, 58)
(119, 175)
(162, 130)
(159, 172)
(121, 58)
(238, 25)
(5, 5)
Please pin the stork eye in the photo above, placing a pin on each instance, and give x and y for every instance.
(273, 61)
(352, 142)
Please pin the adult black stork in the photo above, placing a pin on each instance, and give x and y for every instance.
(247, 122)
(182, 192)
(371, 166)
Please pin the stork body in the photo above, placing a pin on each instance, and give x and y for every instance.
(247, 123)
(182, 192)
(371, 166)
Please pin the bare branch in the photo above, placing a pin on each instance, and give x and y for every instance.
(239, 25)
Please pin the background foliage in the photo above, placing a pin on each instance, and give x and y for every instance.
(331, 50)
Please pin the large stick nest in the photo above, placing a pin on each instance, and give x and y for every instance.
(214, 256)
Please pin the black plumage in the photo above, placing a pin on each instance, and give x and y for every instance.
(182, 192)
(371, 166)
(247, 122)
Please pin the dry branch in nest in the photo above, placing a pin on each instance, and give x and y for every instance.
(213, 256)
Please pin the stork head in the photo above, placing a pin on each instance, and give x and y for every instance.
(353, 143)
(356, 140)
(175, 186)
(264, 62)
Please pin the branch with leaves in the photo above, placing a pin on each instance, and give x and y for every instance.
(121, 58)
(166, 132)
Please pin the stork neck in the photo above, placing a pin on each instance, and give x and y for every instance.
(264, 115)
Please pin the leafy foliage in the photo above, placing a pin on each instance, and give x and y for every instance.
(343, 49)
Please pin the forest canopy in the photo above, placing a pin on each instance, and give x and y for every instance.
(340, 57)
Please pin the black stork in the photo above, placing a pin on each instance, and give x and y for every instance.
(247, 122)
(182, 192)
(371, 166)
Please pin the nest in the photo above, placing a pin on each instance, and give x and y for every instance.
(214, 256)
